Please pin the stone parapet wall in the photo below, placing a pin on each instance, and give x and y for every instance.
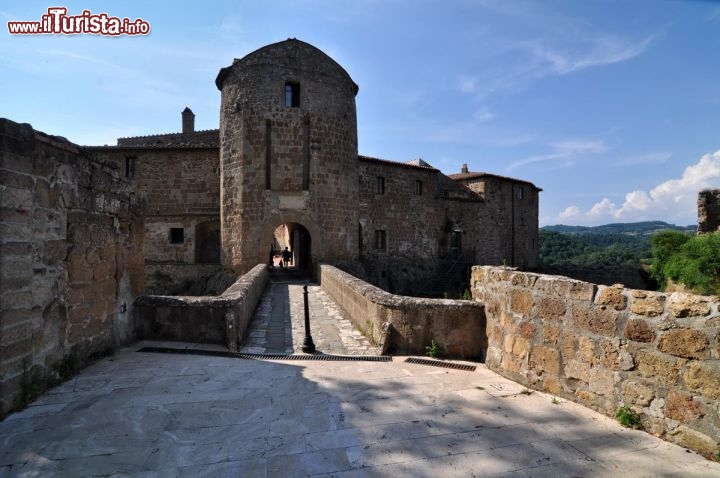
(175, 279)
(607, 347)
(219, 319)
(406, 325)
(70, 260)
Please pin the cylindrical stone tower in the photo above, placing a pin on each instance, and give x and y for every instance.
(288, 155)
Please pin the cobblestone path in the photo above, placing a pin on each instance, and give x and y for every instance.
(279, 323)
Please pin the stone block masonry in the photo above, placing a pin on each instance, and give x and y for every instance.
(708, 211)
(219, 319)
(406, 325)
(71, 259)
(607, 347)
(178, 188)
(285, 161)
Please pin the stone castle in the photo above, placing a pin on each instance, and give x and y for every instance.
(88, 233)
(85, 231)
(286, 155)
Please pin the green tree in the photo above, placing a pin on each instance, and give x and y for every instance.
(664, 245)
(697, 264)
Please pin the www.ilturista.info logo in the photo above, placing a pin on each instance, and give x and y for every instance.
(58, 22)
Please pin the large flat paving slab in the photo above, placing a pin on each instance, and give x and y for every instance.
(164, 415)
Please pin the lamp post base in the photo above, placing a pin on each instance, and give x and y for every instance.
(308, 346)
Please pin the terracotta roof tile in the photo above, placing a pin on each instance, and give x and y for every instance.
(409, 164)
(209, 138)
(477, 175)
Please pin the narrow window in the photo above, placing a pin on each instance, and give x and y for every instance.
(380, 239)
(380, 185)
(306, 156)
(520, 193)
(177, 235)
(129, 166)
(418, 187)
(268, 154)
(292, 94)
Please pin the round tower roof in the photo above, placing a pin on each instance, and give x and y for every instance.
(290, 51)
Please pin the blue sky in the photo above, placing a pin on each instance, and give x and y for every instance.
(611, 106)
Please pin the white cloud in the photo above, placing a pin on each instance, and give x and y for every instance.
(674, 200)
(522, 62)
(467, 84)
(600, 51)
(602, 209)
(483, 115)
(564, 152)
(646, 158)
(570, 212)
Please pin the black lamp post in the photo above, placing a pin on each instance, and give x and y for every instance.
(308, 346)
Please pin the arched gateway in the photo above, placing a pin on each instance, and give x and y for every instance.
(297, 239)
(288, 155)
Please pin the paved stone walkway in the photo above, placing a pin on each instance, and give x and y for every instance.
(279, 323)
(148, 415)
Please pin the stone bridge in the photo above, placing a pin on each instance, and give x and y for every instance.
(348, 316)
(279, 323)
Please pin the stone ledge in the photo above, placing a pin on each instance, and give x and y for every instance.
(381, 297)
(219, 319)
(658, 353)
(406, 325)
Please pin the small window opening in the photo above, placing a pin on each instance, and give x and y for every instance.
(418, 187)
(380, 239)
(177, 235)
(129, 166)
(380, 185)
(292, 95)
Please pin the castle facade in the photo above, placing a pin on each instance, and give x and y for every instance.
(286, 156)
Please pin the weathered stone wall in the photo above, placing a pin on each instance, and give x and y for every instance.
(210, 319)
(175, 279)
(708, 211)
(170, 181)
(179, 188)
(605, 347)
(406, 325)
(415, 241)
(508, 233)
(410, 219)
(512, 208)
(494, 224)
(287, 164)
(70, 259)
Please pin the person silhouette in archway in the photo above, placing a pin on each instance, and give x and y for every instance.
(286, 257)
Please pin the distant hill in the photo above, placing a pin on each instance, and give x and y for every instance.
(645, 228)
(609, 254)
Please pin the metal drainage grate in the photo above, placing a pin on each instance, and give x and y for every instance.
(221, 353)
(438, 363)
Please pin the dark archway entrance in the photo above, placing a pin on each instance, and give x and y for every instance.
(296, 238)
(207, 242)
